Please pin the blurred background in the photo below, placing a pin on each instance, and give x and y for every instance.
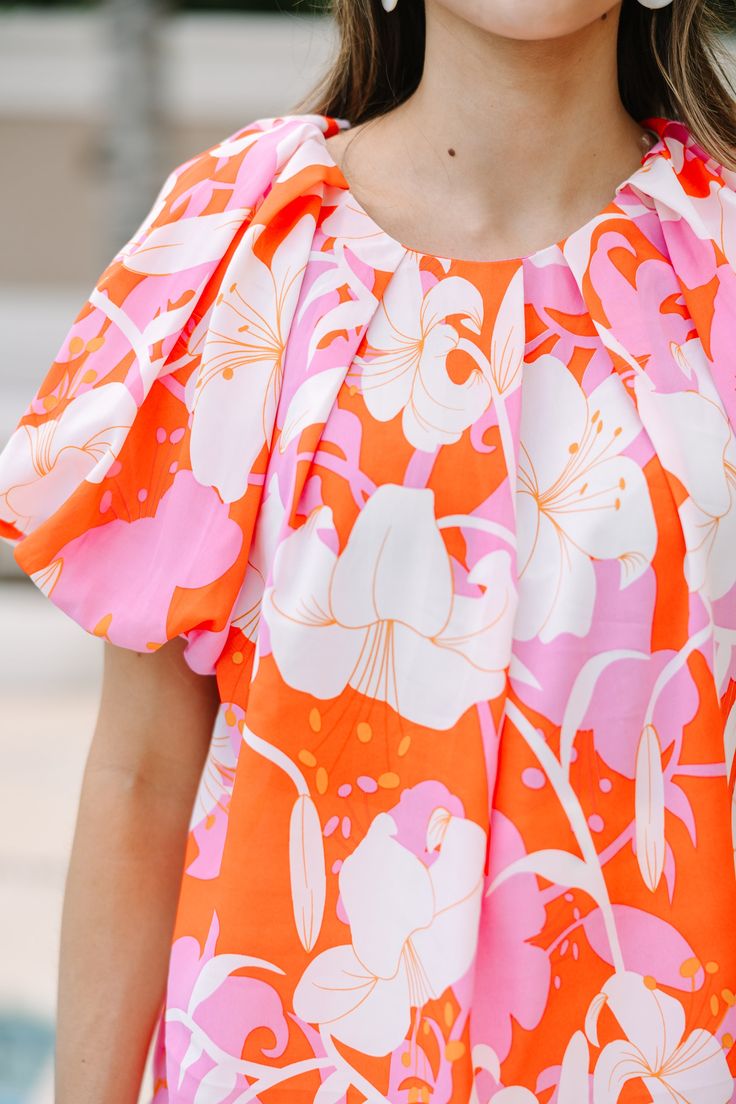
(98, 101)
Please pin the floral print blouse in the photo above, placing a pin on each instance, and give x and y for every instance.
(457, 539)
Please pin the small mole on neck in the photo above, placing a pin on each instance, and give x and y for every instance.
(451, 152)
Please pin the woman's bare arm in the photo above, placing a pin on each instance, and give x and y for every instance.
(145, 760)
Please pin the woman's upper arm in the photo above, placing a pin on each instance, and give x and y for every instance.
(155, 717)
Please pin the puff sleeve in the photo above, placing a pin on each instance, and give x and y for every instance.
(99, 495)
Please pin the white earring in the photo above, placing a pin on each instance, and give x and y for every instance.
(389, 5)
(654, 4)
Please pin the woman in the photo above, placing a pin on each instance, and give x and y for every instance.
(428, 796)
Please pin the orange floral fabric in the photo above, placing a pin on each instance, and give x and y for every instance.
(458, 541)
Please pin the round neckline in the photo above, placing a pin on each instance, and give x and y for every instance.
(656, 124)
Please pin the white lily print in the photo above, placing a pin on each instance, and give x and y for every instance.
(382, 616)
(246, 613)
(50, 460)
(183, 244)
(233, 396)
(405, 368)
(696, 444)
(413, 930)
(675, 1067)
(649, 807)
(579, 499)
(218, 773)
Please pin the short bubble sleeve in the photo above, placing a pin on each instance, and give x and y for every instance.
(123, 499)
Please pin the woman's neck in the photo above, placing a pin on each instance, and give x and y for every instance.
(527, 121)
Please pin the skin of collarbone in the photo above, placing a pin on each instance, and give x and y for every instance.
(525, 92)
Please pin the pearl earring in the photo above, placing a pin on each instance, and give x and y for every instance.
(654, 4)
(389, 5)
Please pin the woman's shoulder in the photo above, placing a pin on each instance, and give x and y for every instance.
(682, 210)
(208, 199)
(296, 126)
(251, 156)
(698, 187)
(691, 195)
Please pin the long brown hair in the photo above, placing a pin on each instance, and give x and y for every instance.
(670, 63)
